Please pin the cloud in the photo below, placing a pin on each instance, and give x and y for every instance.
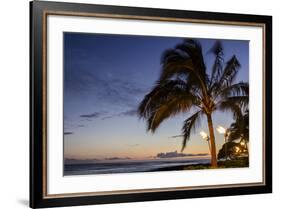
(103, 114)
(176, 136)
(92, 115)
(68, 133)
(71, 161)
(71, 127)
(176, 154)
(133, 145)
(120, 92)
(103, 85)
(131, 112)
(117, 158)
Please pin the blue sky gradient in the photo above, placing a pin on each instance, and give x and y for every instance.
(106, 77)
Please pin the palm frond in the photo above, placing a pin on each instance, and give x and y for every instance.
(159, 94)
(189, 125)
(193, 49)
(241, 88)
(228, 105)
(171, 107)
(164, 101)
(217, 51)
(233, 135)
(176, 66)
(240, 128)
(230, 71)
(186, 59)
(241, 101)
(228, 75)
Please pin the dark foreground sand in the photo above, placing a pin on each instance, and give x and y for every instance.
(238, 163)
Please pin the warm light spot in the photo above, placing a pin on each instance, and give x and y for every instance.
(221, 130)
(204, 135)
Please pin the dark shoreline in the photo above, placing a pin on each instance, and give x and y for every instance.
(168, 168)
(237, 163)
(180, 167)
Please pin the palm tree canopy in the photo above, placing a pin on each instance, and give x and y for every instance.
(231, 148)
(240, 128)
(185, 86)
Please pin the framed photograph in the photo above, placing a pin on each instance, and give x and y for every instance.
(139, 104)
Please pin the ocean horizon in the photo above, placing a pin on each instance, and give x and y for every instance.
(129, 166)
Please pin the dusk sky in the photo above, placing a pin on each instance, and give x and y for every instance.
(107, 76)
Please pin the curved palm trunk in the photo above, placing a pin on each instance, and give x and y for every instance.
(212, 141)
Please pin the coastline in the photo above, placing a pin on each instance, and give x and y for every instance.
(238, 163)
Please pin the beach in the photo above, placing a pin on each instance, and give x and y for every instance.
(238, 163)
(129, 166)
(151, 165)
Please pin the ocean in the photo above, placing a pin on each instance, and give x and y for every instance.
(128, 166)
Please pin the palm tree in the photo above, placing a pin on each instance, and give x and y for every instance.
(185, 87)
(240, 128)
(231, 150)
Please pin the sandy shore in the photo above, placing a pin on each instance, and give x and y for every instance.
(239, 163)
(183, 167)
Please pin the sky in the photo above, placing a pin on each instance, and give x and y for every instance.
(106, 77)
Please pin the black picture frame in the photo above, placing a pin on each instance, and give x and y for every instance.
(38, 11)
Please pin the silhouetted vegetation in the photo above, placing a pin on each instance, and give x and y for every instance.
(185, 86)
